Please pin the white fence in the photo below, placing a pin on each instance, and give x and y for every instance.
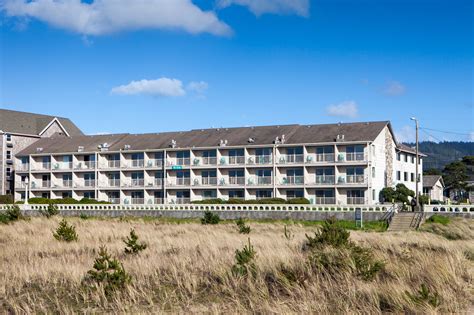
(211, 207)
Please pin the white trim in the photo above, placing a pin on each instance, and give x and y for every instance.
(55, 119)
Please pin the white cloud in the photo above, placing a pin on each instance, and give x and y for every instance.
(394, 88)
(158, 87)
(198, 86)
(406, 134)
(108, 16)
(259, 7)
(471, 136)
(344, 109)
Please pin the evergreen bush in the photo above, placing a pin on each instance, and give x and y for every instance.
(132, 246)
(65, 232)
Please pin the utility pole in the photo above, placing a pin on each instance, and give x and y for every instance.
(417, 178)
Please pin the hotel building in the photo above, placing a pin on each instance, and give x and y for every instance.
(345, 163)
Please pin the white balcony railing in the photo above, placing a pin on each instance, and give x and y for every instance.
(209, 181)
(89, 182)
(263, 159)
(209, 161)
(292, 159)
(113, 163)
(264, 180)
(158, 201)
(88, 164)
(138, 201)
(325, 180)
(158, 182)
(62, 166)
(325, 200)
(67, 183)
(23, 167)
(114, 200)
(183, 161)
(137, 182)
(155, 163)
(293, 180)
(20, 185)
(355, 156)
(237, 180)
(138, 163)
(355, 200)
(180, 182)
(114, 182)
(236, 160)
(45, 166)
(355, 179)
(182, 201)
(45, 184)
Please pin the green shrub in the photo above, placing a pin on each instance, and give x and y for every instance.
(438, 219)
(84, 216)
(424, 200)
(65, 232)
(302, 201)
(271, 201)
(243, 229)
(365, 264)
(108, 272)
(244, 261)
(6, 199)
(12, 214)
(132, 246)
(52, 210)
(216, 201)
(331, 233)
(210, 218)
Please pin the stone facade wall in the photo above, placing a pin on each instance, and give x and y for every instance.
(2, 168)
(389, 157)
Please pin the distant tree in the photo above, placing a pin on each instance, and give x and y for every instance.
(399, 194)
(432, 171)
(455, 175)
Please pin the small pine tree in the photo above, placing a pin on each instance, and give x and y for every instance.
(132, 244)
(210, 218)
(108, 272)
(243, 229)
(52, 210)
(331, 233)
(245, 261)
(65, 232)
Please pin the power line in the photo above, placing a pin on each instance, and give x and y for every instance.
(444, 131)
(430, 135)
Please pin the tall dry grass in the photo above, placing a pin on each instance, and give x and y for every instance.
(186, 268)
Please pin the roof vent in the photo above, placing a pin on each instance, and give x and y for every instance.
(223, 143)
(80, 148)
(340, 138)
(39, 150)
(251, 140)
(127, 147)
(103, 146)
(173, 143)
(283, 140)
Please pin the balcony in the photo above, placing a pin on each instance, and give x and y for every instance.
(137, 163)
(237, 180)
(320, 158)
(293, 180)
(67, 183)
(355, 200)
(183, 161)
(155, 163)
(325, 200)
(23, 167)
(45, 184)
(114, 200)
(180, 182)
(114, 182)
(263, 159)
(138, 201)
(137, 182)
(325, 180)
(291, 159)
(89, 183)
(181, 201)
(113, 163)
(260, 180)
(236, 160)
(209, 161)
(158, 201)
(351, 157)
(355, 179)
(20, 185)
(45, 166)
(62, 166)
(209, 181)
(85, 165)
(158, 182)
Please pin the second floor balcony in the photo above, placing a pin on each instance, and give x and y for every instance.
(137, 163)
(114, 182)
(138, 201)
(320, 158)
(67, 183)
(138, 182)
(208, 181)
(89, 182)
(355, 200)
(236, 160)
(186, 181)
(237, 180)
(325, 200)
(325, 180)
(293, 180)
(260, 181)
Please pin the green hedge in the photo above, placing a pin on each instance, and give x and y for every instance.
(65, 201)
(6, 199)
(260, 201)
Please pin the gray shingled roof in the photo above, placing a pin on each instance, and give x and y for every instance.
(294, 134)
(430, 180)
(32, 124)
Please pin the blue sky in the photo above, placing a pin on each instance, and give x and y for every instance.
(162, 65)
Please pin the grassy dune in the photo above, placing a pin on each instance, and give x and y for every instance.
(186, 268)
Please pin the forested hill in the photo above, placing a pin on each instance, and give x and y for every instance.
(442, 153)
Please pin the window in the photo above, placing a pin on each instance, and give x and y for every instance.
(355, 171)
(137, 156)
(373, 172)
(66, 194)
(182, 174)
(9, 172)
(137, 194)
(327, 171)
(264, 194)
(158, 194)
(24, 160)
(373, 194)
(399, 176)
(398, 156)
(158, 155)
(323, 150)
(9, 137)
(263, 151)
(89, 176)
(209, 194)
(209, 153)
(299, 193)
(412, 177)
(236, 173)
(182, 194)
(158, 174)
(294, 172)
(294, 151)
(207, 174)
(406, 157)
(236, 152)
(327, 193)
(405, 176)
(9, 155)
(413, 159)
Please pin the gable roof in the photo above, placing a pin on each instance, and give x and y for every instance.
(431, 180)
(12, 121)
(202, 138)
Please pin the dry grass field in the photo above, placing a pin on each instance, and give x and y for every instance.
(186, 269)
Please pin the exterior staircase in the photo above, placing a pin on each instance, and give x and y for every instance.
(406, 221)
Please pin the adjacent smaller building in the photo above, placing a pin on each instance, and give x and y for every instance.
(433, 187)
